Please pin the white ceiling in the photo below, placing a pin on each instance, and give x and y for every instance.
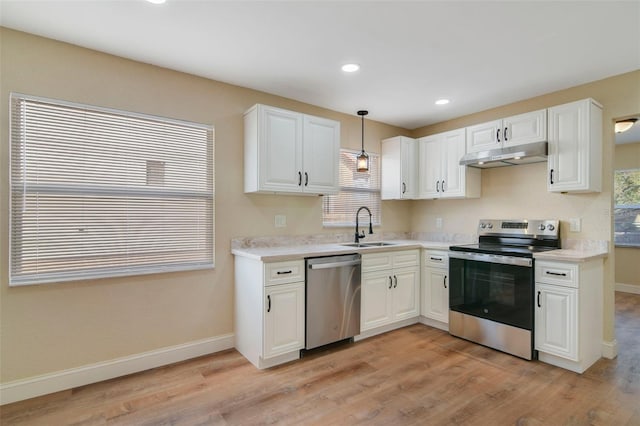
(480, 54)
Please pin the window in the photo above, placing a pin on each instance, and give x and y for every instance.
(626, 200)
(100, 193)
(356, 189)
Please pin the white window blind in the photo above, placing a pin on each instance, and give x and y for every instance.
(98, 193)
(356, 189)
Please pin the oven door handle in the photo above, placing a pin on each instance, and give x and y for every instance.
(492, 258)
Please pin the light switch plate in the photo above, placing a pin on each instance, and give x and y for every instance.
(281, 221)
(575, 224)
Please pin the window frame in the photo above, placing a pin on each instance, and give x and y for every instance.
(121, 195)
(348, 189)
(625, 207)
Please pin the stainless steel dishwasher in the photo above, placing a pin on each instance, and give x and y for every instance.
(333, 299)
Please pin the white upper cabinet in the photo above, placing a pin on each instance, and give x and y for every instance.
(290, 152)
(399, 169)
(575, 147)
(519, 129)
(440, 172)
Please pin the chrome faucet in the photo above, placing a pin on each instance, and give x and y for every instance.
(358, 234)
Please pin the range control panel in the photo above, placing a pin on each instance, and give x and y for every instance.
(529, 227)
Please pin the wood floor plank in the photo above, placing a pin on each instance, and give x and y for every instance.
(417, 375)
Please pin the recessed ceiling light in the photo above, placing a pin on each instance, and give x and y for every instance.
(157, 1)
(350, 67)
(442, 101)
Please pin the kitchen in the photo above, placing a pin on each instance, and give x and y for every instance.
(103, 320)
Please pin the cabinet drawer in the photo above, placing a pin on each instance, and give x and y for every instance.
(558, 273)
(435, 259)
(377, 261)
(283, 272)
(402, 259)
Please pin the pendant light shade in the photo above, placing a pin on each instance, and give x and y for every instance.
(624, 125)
(363, 158)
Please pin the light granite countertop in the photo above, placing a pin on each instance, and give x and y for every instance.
(571, 255)
(276, 254)
(274, 249)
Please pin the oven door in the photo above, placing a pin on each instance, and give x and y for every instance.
(497, 288)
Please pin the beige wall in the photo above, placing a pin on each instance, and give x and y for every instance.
(520, 191)
(627, 156)
(48, 328)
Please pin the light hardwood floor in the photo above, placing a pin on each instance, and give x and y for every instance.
(414, 376)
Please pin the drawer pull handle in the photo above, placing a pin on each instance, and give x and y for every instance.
(439, 259)
(396, 280)
(445, 281)
(539, 305)
(558, 274)
(284, 272)
(269, 301)
(390, 282)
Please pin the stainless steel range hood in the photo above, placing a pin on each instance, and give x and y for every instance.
(513, 155)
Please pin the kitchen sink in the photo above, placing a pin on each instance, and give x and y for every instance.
(372, 244)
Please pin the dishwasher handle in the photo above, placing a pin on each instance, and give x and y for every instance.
(334, 264)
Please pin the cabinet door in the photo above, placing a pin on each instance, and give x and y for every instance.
(525, 128)
(435, 294)
(399, 169)
(430, 166)
(484, 136)
(391, 169)
(283, 319)
(453, 174)
(409, 154)
(321, 150)
(406, 291)
(556, 321)
(280, 151)
(376, 301)
(575, 160)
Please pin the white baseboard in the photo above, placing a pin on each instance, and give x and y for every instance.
(628, 288)
(385, 329)
(610, 349)
(434, 323)
(66, 379)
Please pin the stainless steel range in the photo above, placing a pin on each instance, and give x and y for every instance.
(491, 291)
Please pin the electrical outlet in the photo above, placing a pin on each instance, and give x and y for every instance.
(575, 224)
(281, 221)
(439, 222)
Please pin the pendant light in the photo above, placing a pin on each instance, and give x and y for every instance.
(363, 158)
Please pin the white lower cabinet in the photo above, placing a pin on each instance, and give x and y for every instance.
(434, 288)
(556, 321)
(269, 310)
(390, 288)
(283, 319)
(568, 313)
